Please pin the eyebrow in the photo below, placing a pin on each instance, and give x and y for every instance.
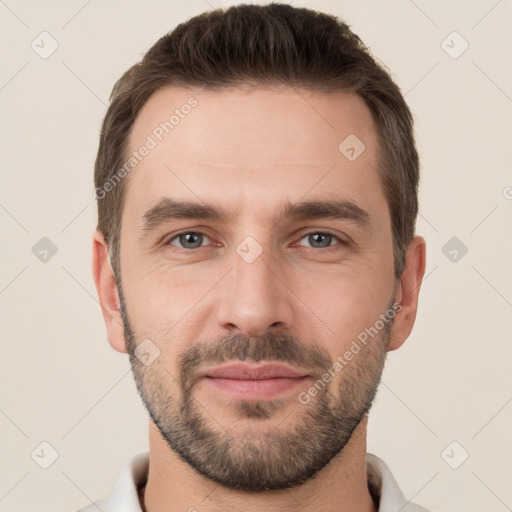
(167, 210)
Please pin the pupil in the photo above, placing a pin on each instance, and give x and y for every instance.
(317, 239)
(189, 239)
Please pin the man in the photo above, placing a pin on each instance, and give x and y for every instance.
(256, 258)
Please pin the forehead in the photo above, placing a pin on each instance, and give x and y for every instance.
(252, 145)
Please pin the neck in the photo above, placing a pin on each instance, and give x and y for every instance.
(341, 486)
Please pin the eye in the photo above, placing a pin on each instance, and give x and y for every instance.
(188, 240)
(321, 240)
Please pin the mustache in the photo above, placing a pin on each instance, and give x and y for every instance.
(238, 347)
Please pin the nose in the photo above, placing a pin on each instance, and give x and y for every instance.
(255, 298)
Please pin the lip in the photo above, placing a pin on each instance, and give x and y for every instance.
(243, 371)
(247, 382)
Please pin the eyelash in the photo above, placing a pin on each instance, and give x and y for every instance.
(328, 233)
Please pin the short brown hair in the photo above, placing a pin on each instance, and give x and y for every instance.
(258, 45)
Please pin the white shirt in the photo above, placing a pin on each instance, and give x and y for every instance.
(125, 498)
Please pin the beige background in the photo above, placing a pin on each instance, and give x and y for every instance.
(63, 384)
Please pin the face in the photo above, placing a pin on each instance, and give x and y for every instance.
(251, 241)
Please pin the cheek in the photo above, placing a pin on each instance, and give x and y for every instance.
(340, 304)
(160, 296)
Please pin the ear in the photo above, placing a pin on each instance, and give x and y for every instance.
(107, 292)
(408, 291)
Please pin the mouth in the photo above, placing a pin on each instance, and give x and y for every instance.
(250, 382)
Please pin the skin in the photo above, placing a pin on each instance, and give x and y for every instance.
(249, 150)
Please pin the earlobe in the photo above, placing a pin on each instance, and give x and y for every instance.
(408, 292)
(108, 294)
